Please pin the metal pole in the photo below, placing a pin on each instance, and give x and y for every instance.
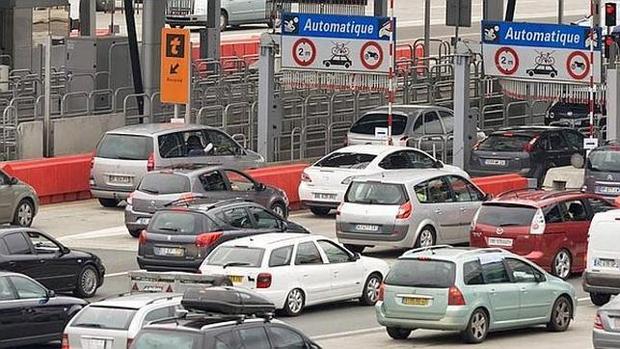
(134, 54)
(392, 73)
(613, 104)
(510, 10)
(269, 111)
(464, 124)
(177, 111)
(560, 11)
(591, 88)
(47, 151)
(210, 35)
(427, 31)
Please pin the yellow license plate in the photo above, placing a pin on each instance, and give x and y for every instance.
(416, 301)
(235, 279)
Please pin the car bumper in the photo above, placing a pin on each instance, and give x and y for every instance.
(186, 20)
(157, 264)
(602, 339)
(277, 297)
(396, 237)
(455, 319)
(116, 194)
(132, 217)
(601, 283)
(484, 173)
(308, 198)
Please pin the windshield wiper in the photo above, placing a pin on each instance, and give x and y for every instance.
(168, 229)
(235, 264)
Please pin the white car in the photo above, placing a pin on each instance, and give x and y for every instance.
(297, 270)
(324, 183)
(115, 322)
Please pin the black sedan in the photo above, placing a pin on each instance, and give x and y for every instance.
(30, 313)
(38, 255)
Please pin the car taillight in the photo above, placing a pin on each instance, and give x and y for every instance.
(263, 280)
(475, 220)
(150, 163)
(455, 297)
(129, 341)
(529, 146)
(538, 223)
(381, 294)
(598, 323)
(65, 342)
(404, 211)
(92, 163)
(305, 177)
(207, 239)
(130, 199)
(143, 238)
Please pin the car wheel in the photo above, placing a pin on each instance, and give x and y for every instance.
(87, 282)
(561, 315)
(223, 20)
(327, 64)
(135, 233)
(370, 295)
(426, 238)
(355, 248)
(24, 213)
(562, 264)
(477, 328)
(398, 333)
(108, 202)
(279, 209)
(294, 302)
(320, 211)
(599, 299)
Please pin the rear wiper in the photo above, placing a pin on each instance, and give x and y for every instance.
(235, 264)
(510, 225)
(127, 158)
(169, 229)
(150, 191)
(89, 325)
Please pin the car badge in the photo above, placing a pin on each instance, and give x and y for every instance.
(153, 204)
(610, 177)
(499, 231)
(169, 238)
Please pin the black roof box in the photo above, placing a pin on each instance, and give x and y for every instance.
(226, 300)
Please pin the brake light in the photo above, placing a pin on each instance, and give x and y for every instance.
(455, 297)
(617, 202)
(263, 280)
(143, 238)
(381, 294)
(207, 239)
(305, 177)
(538, 223)
(150, 163)
(529, 146)
(598, 323)
(130, 199)
(129, 341)
(404, 211)
(65, 342)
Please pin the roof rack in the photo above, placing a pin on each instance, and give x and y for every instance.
(429, 248)
(553, 194)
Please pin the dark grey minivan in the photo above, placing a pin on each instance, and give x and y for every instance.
(602, 173)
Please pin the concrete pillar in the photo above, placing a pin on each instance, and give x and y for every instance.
(493, 10)
(613, 104)
(210, 36)
(153, 20)
(464, 122)
(381, 8)
(88, 18)
(269, 112)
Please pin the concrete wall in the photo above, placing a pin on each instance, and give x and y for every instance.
(81, 134)
(30, 140)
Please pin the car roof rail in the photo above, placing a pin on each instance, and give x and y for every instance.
(481, 250)
(553, 194)
(429, 248)
(185, 200)
(515, 192)
(163, 297)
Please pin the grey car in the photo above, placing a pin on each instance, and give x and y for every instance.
(606, 332)
(233, 12)
(405, 209)
(18, 201)
(212, 184)
(125, 155)
(602, 173)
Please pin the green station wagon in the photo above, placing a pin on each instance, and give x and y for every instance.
(473, 291)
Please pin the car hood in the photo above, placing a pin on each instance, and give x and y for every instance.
(455, 170)
(375, 264)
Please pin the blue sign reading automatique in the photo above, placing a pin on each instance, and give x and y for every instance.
(336, 26)
(539, 35)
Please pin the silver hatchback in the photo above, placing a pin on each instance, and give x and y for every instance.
(18, 201)
(125, 155)
(404, 209)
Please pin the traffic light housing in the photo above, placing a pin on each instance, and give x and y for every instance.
(610, 14)
(608, 42)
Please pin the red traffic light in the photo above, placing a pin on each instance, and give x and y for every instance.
(609, 40)
(610, 8)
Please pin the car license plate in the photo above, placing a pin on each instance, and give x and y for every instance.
(616, 322)
(97, 344)
(167, 251)
(143, 220)
(324, 196)
(606, 263)
(495, 162)
(235, 279)
(120, 179)
(366, 227)
(422, 302)
(501, 242)
(608, 190)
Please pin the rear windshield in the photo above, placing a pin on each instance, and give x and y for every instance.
(346, 160)
(164, 183)
(180, 223)
(167, 339)
(366, 124)
(240, 256)
(104, 318)
(375, 193)
(422, 273)
(125, 147)
(506, 215)
(604, 161)
(505, 142)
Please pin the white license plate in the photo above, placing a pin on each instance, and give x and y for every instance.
(495, 162)
(501, 242)
(97, 344)
(608, 190)
(143, 220)
(168, 251)
(324, 196)
(606, 263)
(120, 179)
(366, 227)
(616, 322)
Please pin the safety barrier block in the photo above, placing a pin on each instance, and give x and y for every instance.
(496, 185)
(287, 178)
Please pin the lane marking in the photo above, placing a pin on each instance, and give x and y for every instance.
(348, 333)
(102, 233)
(113, 275)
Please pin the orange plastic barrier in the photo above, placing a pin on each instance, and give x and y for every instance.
(496, 185)
(287, 178)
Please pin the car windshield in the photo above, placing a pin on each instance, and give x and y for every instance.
(346, 160)
(178, 223)
(125, 147)
(150, 339)
(421, 273)
(375, 193)
(505, 142)
(604, 161)
(107, 318)
(164, 183)
(498, 215)
(366, 124)
(239, 256)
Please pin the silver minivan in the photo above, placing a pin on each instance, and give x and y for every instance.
(124, 155)
(405, 209)
(233, 12)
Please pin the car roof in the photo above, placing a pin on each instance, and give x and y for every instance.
(528, 130)
(198, 323)
(536, 197)
(154, 129)
(136, 301)
(408, 109)
(188, 170)
(270, 240)
(372, 149)
(405, 176)
(449, 253)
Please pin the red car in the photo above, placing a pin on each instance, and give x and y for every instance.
(548, 228)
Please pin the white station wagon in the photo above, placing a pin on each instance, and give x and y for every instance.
(297, 270)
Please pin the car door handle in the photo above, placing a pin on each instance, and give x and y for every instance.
(438, 211)
(41, 261)
(12, 264)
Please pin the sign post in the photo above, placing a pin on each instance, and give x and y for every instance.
(176, 69)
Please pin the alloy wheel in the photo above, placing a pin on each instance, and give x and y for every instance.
(479, 326)
(24, 214)
(562, 264)
(561, 314)
(88, 281)
(372, 289)
(295, 301)
(426, 238)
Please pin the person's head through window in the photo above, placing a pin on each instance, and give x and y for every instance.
(194, 146)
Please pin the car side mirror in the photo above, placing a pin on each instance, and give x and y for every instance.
(64, 250)
(487, 197)
(283, 225)
(438, 164)
(50, 294)
(356, 256)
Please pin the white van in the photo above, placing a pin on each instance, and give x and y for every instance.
(602, 276)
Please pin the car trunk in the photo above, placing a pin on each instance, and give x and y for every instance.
(611, 319)
(604, 256)
(180, 248)
(158, 189)
(507, 226)
(329, 178)
(368, 219)
(239, 276)
(242, 264)
(149, 203)
(372, 129)
(503, 153)
(102, 339)
(100, 327)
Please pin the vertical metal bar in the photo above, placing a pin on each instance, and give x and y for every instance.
(510, 10)
(47, 151)
(560, 11)
(427, 32)
(135, 54)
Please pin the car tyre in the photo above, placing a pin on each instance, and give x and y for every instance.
(320, 211)
(370, 294)
(562, 264)
(295, 301)
(426, 238)
(477, 327)
(561, 314)
(87, 282)
(24, 214)
(398, 333)
(279, 209)
(600, 299)
(223, 20)
(135, 233)
(355, 248)
(109, 203)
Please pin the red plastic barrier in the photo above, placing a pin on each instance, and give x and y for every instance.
(496, 185)
(287, 178)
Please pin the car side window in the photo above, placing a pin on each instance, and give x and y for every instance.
(597, 206)
(557, 142)
(238, 218)
(239, 181)
(213, 181)
(283, 338)
(335, 254)
(27, 289)
(17, 244)
(494, 271)
(553, 215)
(264, 219)
(223, 145)
(418, 125)
(433, 192)
(6, 291)
(418, 160)
(575, 139)
(227, 340)
(41, 244)
(4, 179)
(472, 273)
(161, 313)
(520, 271)
(307, 253)
(575, 211)
(171, 146)
(395, 161)
(281, 256)
(254, 338)
(4, 250)
(461, 190)
(432, 124)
